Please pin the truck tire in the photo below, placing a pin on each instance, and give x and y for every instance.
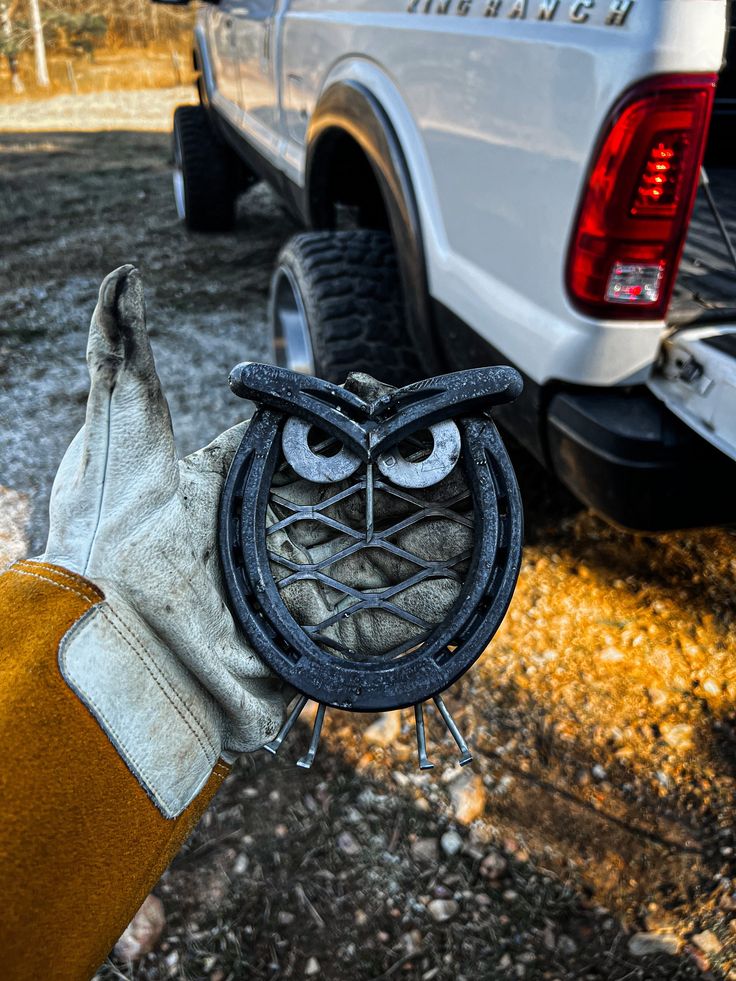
(205, 173)
(336, 306)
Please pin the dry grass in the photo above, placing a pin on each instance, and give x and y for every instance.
(163, 65)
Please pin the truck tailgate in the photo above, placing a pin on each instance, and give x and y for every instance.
(696, 379)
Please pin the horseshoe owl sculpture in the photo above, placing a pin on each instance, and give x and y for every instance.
(401, 507)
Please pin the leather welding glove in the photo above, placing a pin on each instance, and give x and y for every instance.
(125, 687)
(141, 525)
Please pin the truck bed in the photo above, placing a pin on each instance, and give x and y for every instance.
(705, 290)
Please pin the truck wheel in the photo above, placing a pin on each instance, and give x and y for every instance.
(336, 307)
(205, 173)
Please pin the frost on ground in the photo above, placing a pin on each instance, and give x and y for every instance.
(14, 515)
(594, 838)
(76, 205)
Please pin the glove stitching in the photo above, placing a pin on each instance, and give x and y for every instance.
(55, 570)
(143, 655)
(35, 575)
(120, 743)
(137, 646)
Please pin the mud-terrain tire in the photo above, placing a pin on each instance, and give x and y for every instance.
(206, 173)
(336, 306)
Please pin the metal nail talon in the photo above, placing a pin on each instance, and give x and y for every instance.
(306, 761)
(275, 744)
(465, 754)
(424, 762)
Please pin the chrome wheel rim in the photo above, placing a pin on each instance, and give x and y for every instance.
(292, 342)
(178, 181)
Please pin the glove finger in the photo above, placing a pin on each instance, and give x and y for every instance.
(129, 439)
(124, 454)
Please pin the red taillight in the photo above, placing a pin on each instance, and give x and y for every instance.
(635, 210)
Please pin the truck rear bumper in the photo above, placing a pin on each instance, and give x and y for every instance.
(627, 456)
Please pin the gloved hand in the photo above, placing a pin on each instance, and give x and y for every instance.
(161, 663)
(177, 687)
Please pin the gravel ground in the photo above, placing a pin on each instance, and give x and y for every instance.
(594, 836)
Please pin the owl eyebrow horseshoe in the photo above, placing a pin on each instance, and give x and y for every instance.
(402, 508)
(368, 428)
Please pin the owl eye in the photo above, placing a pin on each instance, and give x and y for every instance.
(432, 467)
(304, 457)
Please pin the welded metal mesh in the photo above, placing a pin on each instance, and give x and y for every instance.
(369, 545)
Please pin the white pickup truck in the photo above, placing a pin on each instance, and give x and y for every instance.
(490, 181)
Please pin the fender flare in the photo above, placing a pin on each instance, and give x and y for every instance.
(349, 107)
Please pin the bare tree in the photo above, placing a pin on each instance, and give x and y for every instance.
(9, 48)
(39, 46)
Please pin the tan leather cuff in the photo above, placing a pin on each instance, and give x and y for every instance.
(77, 830)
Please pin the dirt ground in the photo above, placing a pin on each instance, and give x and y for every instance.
(593, 837)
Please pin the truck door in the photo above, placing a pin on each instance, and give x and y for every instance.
(255, 43)
(221, 32)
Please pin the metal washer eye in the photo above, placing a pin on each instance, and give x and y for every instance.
(424, 473)
(310, 465)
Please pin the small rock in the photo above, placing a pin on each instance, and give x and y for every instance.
(707, 941)
(385, 730)
(442, 910)
(285, 918)
(451, 843)
(699, 959)
(493, 866)
(241, 865)
(567, 946)
(711, 687)
(644, 944)
(678, 736)
(598, 772)
(657, 696)
(612, 655)
(142, 933)
(347, 844)
(468, 797)
(312, 967)
(510, 896)
(424, 850)
(728, 901)
(412, 942)
(504, 785)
